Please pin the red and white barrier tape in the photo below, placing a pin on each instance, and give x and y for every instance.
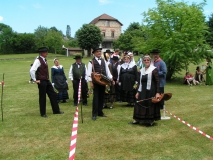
(75, 128)
(189, 125)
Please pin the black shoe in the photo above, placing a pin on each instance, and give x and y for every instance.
(59, 113)
(85, 104)
(44, 116)
(94, 118)
(75, 104)
(134, 122)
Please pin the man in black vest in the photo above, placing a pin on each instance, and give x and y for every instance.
(78, 70)
(40, 75)
(98, 90)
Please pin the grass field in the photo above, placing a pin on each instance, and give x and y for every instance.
(24, 135)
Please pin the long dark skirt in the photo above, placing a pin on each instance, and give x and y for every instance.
(62, 87)
(62, 95)
(147, 114)
(128, 96)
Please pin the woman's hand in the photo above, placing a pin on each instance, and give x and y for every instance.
(137, 95)
(157, 96)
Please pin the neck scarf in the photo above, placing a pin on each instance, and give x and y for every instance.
(149, 72)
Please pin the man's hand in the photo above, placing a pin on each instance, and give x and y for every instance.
(137, 94)
(37, 81)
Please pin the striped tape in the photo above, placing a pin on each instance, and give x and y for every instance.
(190, 126)
(75, 128)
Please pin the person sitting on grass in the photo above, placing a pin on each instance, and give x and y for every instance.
(189, 79)
(199, 74)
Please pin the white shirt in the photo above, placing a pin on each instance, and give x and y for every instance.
(108, 74)
(71, 73)
(35, 66)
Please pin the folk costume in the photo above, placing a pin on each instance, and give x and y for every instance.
(161, 67)
(209, 73)
(59, 81)
(110, 95)
(149, 85)
(128, 78)
(39, 72)
(101, 67)
(79, 71)
(115, 74)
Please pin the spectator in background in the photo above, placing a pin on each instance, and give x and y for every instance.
(199, 74)
(31, 80)
(161, 67)
(209, 72)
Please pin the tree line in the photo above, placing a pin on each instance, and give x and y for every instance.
(13, 42)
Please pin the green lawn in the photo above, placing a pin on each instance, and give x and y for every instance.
(25, 135)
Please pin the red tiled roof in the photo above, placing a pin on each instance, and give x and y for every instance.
(104, 17)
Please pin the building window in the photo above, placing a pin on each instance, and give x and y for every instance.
(112, 34)
(103, 33)
(107, 23)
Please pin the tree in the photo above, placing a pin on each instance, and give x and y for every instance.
(68, 32)
(178, 30)
(133, 26)
(125, 40)
(209, 37)
(89, 36)
(73, 43)
(53, 40)
(6, 34)
(23, 43)
(40, 34)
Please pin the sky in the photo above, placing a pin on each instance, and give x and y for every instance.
(24, 16)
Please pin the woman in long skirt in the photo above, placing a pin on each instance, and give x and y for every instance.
(59, 81)
(128, 80)
(149, 86)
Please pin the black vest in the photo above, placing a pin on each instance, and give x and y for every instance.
(42, 72)
(78, 72)
(115, 71)
(99, 68)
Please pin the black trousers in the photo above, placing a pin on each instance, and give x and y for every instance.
(45, 87)
(117, 92)
(84, 90)
(98, 100)
(162, 102)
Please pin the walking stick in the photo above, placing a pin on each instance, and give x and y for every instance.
(81, 100)
(2, 89)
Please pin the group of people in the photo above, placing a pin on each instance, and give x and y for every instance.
(128, 82)
(207, 69)
(134, 84)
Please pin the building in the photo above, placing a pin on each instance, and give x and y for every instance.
(110, 29)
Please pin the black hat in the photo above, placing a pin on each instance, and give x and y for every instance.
(96, 48)
(115, 58)
(77, 57)
(42, 49)
(155, 51)
(108, 51)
